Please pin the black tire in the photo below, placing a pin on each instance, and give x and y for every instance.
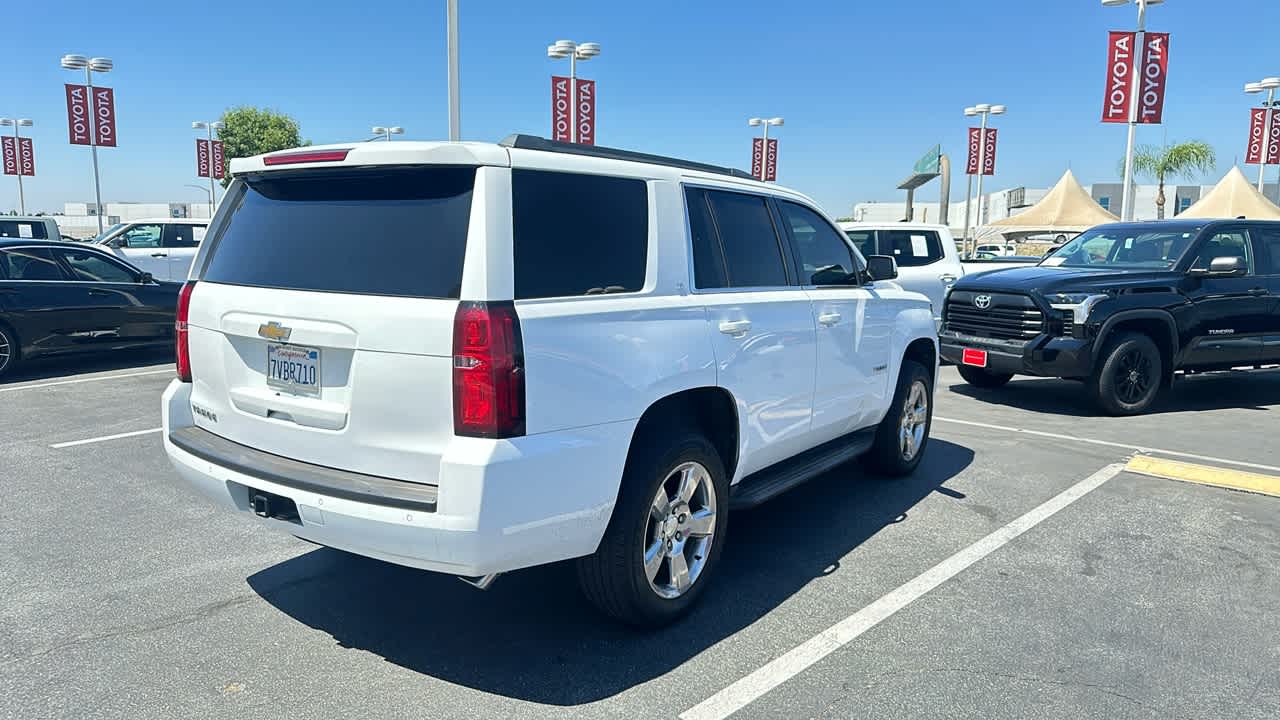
(888, 455)
(1128, 377)
(614, 579)
(10, 350)
(979, 377)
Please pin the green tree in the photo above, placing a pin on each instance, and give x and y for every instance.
(252, 131)
(1193, 157)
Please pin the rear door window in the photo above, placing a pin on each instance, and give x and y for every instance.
(911, 248)
(753, 256)
(708, 256)
(1267, 242)
(180, 235)
(24, 230)
(386, 231)
(31, 264)
(577, 234)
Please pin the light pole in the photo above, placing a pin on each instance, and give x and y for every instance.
(1269, 84)
(764, 153)
(1135, 94)
(202, 189)
(91, 66)
(387, 132)
(455, 83)
(209, 127)
(561, 49)
(20, 123)
(985, 110)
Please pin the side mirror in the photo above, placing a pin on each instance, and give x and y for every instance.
(146, 278)
(882, 267)
(1226, 266)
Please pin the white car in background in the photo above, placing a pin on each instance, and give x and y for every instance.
(928, 262)
(164, 247)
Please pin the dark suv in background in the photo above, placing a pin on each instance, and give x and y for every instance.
(1122, 307)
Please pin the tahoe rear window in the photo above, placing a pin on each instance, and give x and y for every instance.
(388, 231)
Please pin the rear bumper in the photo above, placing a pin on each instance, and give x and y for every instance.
(499, 505)
(1063, 357)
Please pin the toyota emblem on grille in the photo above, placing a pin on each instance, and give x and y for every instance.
(982, 302)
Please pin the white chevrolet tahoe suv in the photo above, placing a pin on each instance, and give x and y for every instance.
(473, 358)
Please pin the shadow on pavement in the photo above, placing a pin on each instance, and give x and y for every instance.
(532, 637)
(1252, 390)
(68, 366)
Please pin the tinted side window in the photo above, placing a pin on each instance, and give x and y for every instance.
(911, 248)
(578, 234)
(29, 264)
(398, 231)
(92, 267)
(864, 240)
(825, 258)
(753, 257)
(708, 256)
(1267, 243)
(26, 230)
(180, 236)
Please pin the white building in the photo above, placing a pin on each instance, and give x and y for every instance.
(80, 219)
(1009, 202)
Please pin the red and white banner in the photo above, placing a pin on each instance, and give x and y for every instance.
(757, 158)
(1257, 128)
(975, 147)
(586, 102)
(26, 157)
(9, 150)
(771, 161)
(1273, 149)
(78, 114)
(218, 160)
(1119, 95)
(989, 162)
(104, 117)
(1151, 82)
(202, 157)
(561, 121)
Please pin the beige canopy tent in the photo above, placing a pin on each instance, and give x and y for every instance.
(1066, 208)
(1234, 196)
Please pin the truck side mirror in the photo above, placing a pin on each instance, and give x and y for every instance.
(882, 267)
(1225, 266)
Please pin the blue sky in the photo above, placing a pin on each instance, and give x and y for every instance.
(865, 87)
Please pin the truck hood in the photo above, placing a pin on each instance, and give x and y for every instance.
(1046, 279)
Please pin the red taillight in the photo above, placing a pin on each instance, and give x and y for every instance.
(488, 370)
(183, 348)
(307, 156)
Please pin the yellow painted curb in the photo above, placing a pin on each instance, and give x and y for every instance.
(1204, 475)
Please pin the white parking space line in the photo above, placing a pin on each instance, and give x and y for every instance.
(13, 388)
(744, 691)
(1108, 443)
(104, 438)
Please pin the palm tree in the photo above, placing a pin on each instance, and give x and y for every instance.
(1186, 158)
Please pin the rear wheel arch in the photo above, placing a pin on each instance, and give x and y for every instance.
(15, 349)
(711, 410)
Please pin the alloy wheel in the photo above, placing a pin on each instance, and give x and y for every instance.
(680, 530)
(915, 416)
(1133, 376)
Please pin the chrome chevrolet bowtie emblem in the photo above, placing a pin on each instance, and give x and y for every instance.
(275, 331)
(982, 302)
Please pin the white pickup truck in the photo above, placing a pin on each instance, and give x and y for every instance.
(578, 352)
(928, 262)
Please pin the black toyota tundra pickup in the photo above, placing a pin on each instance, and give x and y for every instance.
(1122, 307)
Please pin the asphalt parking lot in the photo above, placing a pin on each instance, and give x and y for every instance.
(1024, 571)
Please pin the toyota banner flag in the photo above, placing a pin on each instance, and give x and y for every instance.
(975, 147)
(1152, 65)
(218, 161)
(989, 161)
(78, 114)
(9, 150)
(586, 103)
(771, 161)
(561, 120)
(1258, 145)
(757, 158)
(202, 157)
(26, 157)
(104, 117)
(1273, 148)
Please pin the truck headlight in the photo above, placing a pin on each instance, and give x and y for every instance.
(1080, 304)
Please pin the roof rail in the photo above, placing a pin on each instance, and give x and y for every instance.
(533, 142)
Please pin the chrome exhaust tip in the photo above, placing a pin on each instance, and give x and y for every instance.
(480, 582)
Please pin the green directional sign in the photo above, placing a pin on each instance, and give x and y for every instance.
(928, 165)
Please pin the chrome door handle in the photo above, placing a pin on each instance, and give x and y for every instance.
(948, 279)
(735, 327)
(1257, 291)
(829, 319)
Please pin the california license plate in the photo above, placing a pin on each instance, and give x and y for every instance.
(294, 369)
(976, 358)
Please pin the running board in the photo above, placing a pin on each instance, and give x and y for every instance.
(776, 479)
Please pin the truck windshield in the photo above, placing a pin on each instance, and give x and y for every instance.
(1124, 247)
